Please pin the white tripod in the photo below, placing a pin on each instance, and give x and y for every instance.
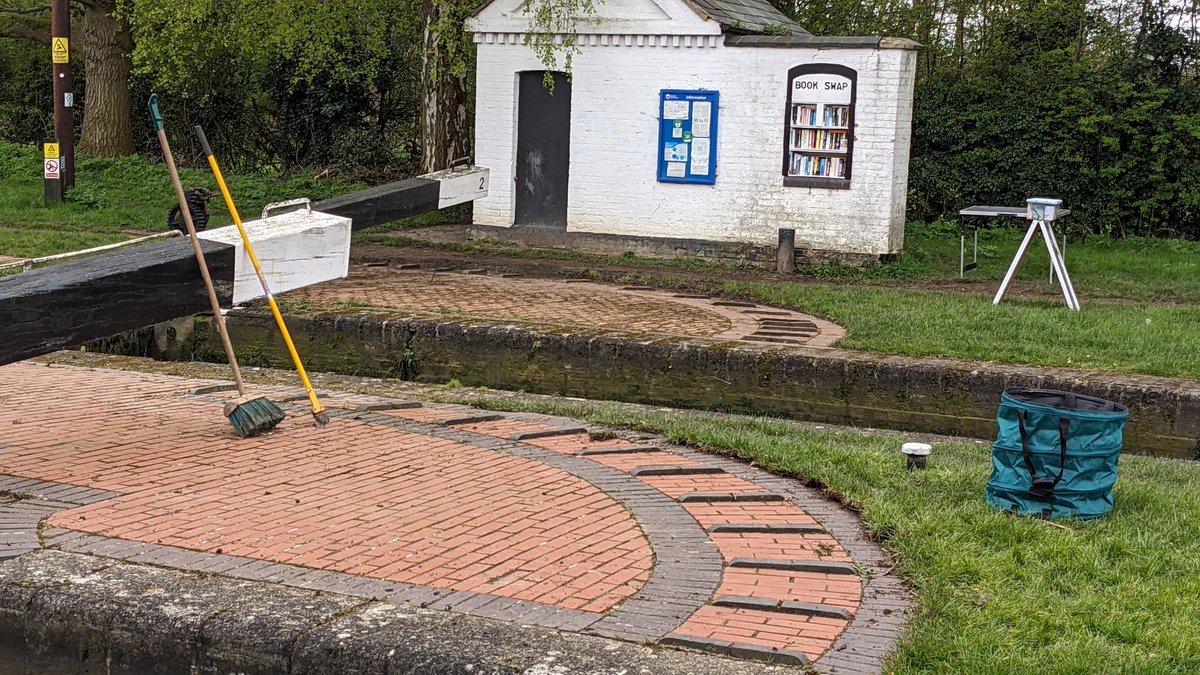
(1041, 217)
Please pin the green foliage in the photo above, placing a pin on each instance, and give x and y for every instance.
(1092, 102)
(776, 29)
(553, 35)
(26, 93)
(1146, 339)
(285, 84)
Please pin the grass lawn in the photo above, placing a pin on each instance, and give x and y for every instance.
(1134, 268)
(119, 199)
(994, 593)
(1138, 338)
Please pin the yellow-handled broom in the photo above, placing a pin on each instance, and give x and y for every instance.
(249, 414)
(319, 415)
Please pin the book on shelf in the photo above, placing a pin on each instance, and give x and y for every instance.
(818, 139)
(818, 167)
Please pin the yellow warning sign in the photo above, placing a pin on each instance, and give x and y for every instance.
(51, 151)
(60, 50)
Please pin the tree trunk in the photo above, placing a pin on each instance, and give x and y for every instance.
(107, 45)
(445, 135)
(960, 25)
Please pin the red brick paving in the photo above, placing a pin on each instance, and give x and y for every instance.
(768, 546)
(811, 635)
(353, 498)
(548, 303)
(741, 513)
(674, 486)
(394, 505)
(628, 462)
(839, 590)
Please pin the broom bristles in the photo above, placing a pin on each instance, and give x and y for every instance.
(252, 415)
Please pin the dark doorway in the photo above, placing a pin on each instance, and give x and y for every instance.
(543, 150)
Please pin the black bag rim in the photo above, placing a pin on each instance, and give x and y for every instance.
(1036, 399)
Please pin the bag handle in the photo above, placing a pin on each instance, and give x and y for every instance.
(1043, 486)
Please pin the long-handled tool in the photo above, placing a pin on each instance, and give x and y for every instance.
(250, 415)
(319, 415)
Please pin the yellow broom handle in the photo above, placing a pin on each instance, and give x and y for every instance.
(287, 338)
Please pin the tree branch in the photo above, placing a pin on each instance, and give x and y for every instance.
(24, 10)
(22, 32)
(24, 25)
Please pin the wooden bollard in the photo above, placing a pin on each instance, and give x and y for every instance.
(786, 258)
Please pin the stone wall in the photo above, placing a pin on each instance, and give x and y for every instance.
(941, 396)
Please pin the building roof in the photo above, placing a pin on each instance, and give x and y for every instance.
(748, 16)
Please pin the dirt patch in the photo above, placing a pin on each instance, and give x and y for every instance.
(613, 269)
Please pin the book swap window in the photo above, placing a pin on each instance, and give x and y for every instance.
(687, 136)
(819, 127)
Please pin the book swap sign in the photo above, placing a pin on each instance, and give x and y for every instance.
(821, 88)
(687, 136)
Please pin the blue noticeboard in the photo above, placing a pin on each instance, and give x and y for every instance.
(687, 136)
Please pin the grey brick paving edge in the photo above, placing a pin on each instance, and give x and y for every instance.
(69, 495)
(882, 614)
(877, 625)
(738, 649)
(687, 567)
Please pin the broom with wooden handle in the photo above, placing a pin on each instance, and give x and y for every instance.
(250, 415)
(320, 417)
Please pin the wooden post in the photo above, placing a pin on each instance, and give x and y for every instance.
(52, 187)
(64, 88)
(786, 259)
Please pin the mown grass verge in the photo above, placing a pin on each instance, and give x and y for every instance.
(1136, 338)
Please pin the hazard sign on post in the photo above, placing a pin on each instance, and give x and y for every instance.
(60, 50)
(52, 171)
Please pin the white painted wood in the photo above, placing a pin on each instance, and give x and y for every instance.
(1056, 263)
(1016, 263)
(614, 17)
(295, 250)
(456, 186)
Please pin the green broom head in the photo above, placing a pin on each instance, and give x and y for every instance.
(253, 415)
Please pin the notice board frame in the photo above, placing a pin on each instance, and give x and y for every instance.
(666, 127)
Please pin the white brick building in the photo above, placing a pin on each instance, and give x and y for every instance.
(586, 165)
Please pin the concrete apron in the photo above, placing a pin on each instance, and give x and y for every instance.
(941, 396)
(69, 613)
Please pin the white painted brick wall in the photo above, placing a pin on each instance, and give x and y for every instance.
(614, 145)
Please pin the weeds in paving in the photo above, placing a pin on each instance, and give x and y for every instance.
(994, 593)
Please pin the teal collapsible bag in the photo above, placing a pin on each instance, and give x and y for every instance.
(1056, 454)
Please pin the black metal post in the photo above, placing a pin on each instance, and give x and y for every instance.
(64, 88)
